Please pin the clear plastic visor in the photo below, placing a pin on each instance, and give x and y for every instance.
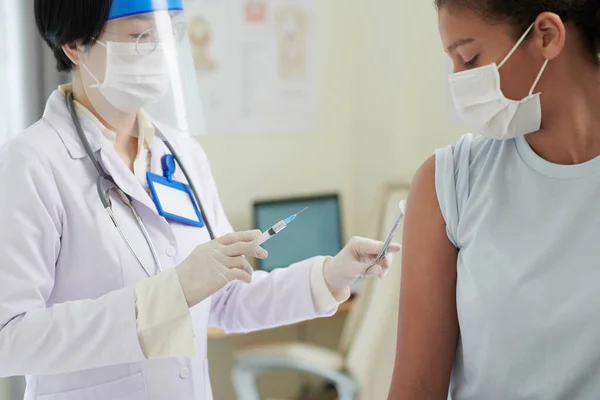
(141, 70)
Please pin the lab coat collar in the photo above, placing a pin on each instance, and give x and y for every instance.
(57, 114)
(125, 180)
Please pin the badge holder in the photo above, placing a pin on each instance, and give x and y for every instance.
(174, 200)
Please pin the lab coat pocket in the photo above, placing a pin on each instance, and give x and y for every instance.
(130, 388)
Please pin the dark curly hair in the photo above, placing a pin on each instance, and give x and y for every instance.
(584, 14)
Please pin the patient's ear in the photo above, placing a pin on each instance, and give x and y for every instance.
(550, 35)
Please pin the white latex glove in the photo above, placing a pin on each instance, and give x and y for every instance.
(344, 269)
(214, 264)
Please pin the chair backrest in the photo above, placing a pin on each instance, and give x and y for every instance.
(369, 337)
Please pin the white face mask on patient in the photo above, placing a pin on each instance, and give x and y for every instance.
(131, 81)
(483, 107)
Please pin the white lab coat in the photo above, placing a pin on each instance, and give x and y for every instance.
(67, 305)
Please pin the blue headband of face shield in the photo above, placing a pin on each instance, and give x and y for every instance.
(125, 8)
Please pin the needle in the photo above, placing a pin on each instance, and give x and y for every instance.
(278, 227)
(293, 217)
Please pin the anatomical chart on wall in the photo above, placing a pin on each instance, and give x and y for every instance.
(256, 63)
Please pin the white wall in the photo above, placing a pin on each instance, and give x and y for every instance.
(403, 113)
(27, 69)
(266, 166)
(5, 389)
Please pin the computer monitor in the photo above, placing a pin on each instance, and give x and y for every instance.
(316, 232)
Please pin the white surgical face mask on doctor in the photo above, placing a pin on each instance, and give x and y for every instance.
(133, 81)
(484, 108)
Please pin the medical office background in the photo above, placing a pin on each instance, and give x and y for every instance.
(383, 107)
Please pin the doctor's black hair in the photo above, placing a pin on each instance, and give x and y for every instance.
(584, 14)
(66, 21)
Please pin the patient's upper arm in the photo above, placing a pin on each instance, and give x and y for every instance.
(427, 322)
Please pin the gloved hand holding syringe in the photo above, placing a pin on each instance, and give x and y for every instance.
(355, 260)
(384, 251)
(278, 227)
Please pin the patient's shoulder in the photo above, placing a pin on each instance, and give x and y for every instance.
(458, 169)
(470, 154)
(422, 188)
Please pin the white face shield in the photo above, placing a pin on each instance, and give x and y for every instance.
(142, 66)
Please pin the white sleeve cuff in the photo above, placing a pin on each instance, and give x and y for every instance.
(164, 323)
(324, 300)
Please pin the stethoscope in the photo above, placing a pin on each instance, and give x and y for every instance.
(104, 195)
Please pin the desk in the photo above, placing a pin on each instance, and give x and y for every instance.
(217, 333)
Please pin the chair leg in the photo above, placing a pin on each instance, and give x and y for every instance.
(244, 383)
(346, 392)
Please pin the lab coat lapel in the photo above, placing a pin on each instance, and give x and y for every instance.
(124, 178)
(128, 183)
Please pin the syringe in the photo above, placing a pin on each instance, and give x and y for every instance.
(383, 253)
(278, 227)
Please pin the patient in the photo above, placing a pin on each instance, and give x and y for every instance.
(500, 293)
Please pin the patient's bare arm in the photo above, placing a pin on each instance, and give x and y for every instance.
(427, 323)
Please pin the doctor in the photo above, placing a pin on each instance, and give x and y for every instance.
(110, 273)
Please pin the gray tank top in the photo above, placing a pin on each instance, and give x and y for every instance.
(528, 289)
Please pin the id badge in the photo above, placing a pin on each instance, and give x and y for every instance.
(174, 200)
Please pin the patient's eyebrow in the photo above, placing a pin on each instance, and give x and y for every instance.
(457, 44)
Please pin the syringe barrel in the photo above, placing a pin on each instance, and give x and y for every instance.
(278, 227)
(272, 231)
(264, 237)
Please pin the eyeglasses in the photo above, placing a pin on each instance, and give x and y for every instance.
(147, 41)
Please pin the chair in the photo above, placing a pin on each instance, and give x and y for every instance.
(362, 366)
